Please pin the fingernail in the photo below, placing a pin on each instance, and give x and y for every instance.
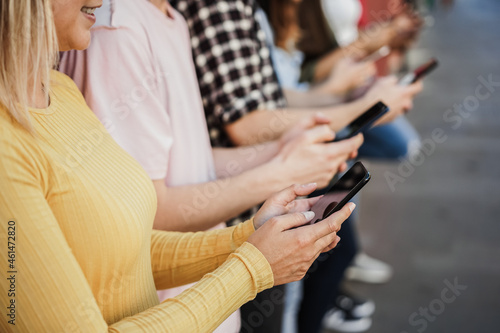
(338, 239)
(308, 185)
(308, 215)
(351, 206)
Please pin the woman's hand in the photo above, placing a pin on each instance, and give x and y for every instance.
(282, 237)
(285, 202)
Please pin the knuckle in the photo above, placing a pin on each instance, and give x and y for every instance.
(326, 130)
(333, 227)
(332, 239)
(302, 241)
(311, 257)
(273, 221)
(305, 257)
(303, 269)
(299, 217)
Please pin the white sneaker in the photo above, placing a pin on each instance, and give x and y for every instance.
(354, 306)
(369, 270)
(340, 321)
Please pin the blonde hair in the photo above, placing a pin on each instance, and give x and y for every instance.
(29, 51)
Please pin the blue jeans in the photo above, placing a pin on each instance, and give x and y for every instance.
(390, 141)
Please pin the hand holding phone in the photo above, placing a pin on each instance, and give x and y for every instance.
(419, 73)
(363, 122)
(341, 192)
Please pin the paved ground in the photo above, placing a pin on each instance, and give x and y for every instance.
(443, 222)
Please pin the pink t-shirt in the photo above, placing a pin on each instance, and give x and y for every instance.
(139, 79)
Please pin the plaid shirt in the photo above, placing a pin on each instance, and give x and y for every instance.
(232, 61)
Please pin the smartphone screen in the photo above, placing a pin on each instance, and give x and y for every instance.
(419, 73)
(362, 123)
(341, 192)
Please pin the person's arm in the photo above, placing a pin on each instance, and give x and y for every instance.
(236, 160)
(202, 206)
(393, 33)
(263, 125)
(145, 133)
(345, 76)
(280, 251)
(305, 158)
(311, 98)
(249, 129)
(54, 294)
(178, 258)
(60, 298)
(242, 77)
(233, 161)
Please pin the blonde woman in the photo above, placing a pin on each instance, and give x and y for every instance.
(77, 211)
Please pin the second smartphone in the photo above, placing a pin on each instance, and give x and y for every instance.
(362, 123)
(341, 192)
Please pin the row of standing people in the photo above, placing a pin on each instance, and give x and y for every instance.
(180, 94)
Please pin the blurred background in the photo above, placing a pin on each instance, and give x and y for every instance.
(440, 224)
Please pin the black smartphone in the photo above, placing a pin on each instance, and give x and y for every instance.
(341, 192)
(419, 73)
(362, 123)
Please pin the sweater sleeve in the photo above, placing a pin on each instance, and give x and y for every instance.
(179, 258)
(203, 307)
(52, 290)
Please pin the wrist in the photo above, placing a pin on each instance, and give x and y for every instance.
(329, 88)
(273, 176)
(368, 100)
(276, 145)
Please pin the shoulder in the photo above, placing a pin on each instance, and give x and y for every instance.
(122, 25)
(18, 148)
(116, 14)
(214, 10)
(60, 79)
(63, 85)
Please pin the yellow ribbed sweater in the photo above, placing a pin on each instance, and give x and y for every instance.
(85, 256)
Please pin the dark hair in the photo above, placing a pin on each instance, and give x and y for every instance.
(283, 17)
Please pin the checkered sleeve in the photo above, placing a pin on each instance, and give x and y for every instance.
(232, 61)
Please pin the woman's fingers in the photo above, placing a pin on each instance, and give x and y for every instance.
(332, 223)
(291, 221)
(302, 205)
(289, 194)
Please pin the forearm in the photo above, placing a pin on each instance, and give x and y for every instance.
(202, 206)
(234, 161)
(263, 125)
(363, 46)
(178, 258)
(326, 63)
(314, 97)
(206, 305)
(367, 43)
